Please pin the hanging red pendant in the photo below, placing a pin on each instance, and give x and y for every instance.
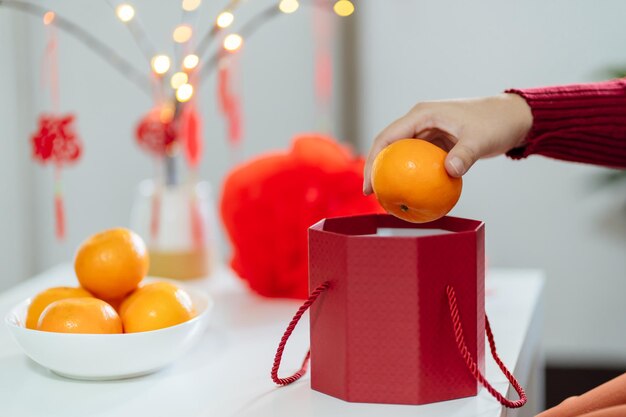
(59, 215)
(155, 133)
(228, 99)
(191, 131)
(56, 142)
(155, 215)
(197, 225)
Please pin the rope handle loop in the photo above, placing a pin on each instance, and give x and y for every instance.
(471, 364)
(458, 335)
(283, 341)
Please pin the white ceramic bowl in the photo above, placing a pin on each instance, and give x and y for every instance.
(109, 356)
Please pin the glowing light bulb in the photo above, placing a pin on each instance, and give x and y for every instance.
(184, 92)
(160, 64)
(288, 6)
(191, 5)
(182, 33)
(125, 12)
(344, 8)
(191, 61)
(225, 19)
(178, 79)
(48, 18)
(233, 42)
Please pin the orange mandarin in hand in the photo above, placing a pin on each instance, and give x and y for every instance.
(411, 182)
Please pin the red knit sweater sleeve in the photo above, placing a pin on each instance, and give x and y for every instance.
(580, 122)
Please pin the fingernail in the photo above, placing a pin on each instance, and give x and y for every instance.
(457, 165)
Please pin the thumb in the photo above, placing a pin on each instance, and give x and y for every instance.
(460, 159)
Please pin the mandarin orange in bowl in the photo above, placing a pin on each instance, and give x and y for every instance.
(79, 337)
(111, 264)
(156, 306)
(410, 181)
(47, 297)
(80, 315)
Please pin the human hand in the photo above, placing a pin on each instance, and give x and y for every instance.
(607, 400)
(468, 129)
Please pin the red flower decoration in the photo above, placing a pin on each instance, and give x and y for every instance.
(268, 204)
(155, 133)
(56, 140)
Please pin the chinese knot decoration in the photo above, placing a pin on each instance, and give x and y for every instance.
(56, 142)
(155, 133)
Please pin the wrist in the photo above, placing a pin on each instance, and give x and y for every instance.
(521, 118)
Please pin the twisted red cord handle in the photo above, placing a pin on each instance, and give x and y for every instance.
(281, 346)
(471, 364)
(458, 333)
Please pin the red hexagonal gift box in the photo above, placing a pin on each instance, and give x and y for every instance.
(397, 311)
(382, 331)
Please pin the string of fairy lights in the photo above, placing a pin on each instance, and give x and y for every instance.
(179, 80)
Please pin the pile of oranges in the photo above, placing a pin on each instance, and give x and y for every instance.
(110, 267)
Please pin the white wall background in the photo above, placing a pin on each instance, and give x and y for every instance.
(539, 212)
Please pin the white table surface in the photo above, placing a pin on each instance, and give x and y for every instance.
(227, 373)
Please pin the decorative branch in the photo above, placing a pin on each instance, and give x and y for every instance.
(108, 54)
(246, 31)
(139, 36)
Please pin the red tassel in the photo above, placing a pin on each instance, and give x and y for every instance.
(59, 216)
(191, 133)
(228, 100)
(324, 77)
(223, 95)
(323, 35)
(197, 227)
(234, 122)
(155, 215)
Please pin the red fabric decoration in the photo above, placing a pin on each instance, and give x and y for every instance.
(155, 133)
(268, 204)
(56, 140)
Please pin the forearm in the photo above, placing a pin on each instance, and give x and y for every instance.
(581, 123)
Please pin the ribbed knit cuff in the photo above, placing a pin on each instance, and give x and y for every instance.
(580, 122)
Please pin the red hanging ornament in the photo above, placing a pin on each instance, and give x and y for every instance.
(323, 36)
(228, 98)
(156, 132)
(191, 133)
(57, 142)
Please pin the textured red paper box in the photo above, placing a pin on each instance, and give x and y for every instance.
(382, 332)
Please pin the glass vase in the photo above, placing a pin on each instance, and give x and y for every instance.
(179, 224)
